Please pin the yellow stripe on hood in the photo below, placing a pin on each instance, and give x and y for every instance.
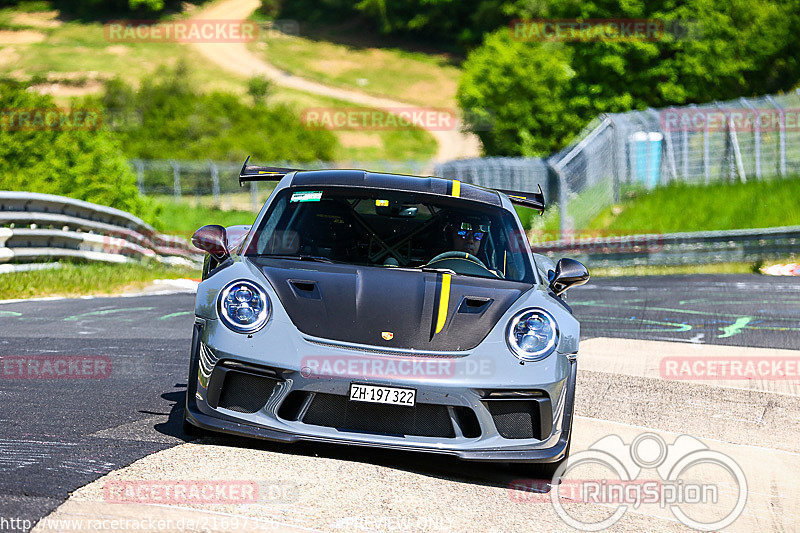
(444, 302)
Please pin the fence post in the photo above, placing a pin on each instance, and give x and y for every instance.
(756, 135)
(563, 219)
(176, 180)
(706, 152)
(617, 157)
(254, 206)
(685, 151)
(139, 175)
(781, 136)
(215, 184)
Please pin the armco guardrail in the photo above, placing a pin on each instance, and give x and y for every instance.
(748, 245)
(37, 227)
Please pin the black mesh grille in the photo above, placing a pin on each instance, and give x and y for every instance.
(245, 393)
(423, 420)
(515, 419)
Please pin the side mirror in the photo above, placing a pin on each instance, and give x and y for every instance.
(211, 239)
(568, 273)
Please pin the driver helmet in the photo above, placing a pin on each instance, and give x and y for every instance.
(468, 233)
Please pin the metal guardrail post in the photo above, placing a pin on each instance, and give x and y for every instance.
(756, 135)
(176, 180)
(781, 135)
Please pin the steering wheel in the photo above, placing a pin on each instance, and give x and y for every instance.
(461, 262)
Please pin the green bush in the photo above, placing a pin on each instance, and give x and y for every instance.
(79, 162)
(522, 92)
(167, 118)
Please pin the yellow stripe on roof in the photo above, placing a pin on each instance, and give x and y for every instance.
(456, 188)
(444, 302)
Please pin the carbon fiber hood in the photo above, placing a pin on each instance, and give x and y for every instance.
(363, 304)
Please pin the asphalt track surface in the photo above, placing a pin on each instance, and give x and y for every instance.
(59, 435)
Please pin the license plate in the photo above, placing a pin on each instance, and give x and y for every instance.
(375, 394)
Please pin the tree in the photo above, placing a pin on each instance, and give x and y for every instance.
(521, 92)
(719, 51)
(53, 150)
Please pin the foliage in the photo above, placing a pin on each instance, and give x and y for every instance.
(709, 51)
(167, 118)
(522, 92)
(67, 158)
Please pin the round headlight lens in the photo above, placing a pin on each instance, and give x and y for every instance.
(243, 306)
(532, 334)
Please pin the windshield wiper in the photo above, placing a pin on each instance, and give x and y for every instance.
(315, 258)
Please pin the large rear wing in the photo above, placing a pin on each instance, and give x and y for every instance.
(534, 200)
(257, 173)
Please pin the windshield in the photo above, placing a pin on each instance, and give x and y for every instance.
(394, 230)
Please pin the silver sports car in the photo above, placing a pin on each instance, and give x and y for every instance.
(385, 310)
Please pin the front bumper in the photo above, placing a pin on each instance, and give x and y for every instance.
(464, 393)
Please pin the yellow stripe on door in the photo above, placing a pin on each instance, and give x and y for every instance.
(444, 302)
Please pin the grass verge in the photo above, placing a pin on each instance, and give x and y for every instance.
(76, 279)
(719, 206)
(425, 79)
(183, 219)
(675, 270)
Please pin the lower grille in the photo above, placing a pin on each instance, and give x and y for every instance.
(422, 420)
(517, 419)
(245, 393)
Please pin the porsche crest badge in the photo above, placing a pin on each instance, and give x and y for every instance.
(387, 335)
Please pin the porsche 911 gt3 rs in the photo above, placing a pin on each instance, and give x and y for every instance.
(385, 310)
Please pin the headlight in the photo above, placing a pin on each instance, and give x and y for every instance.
(532, 334)
(243, 306)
